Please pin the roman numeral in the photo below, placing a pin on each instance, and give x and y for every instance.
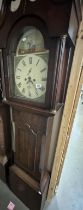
(19, 84)
(30, 60)
(42, 88)
(17, 77)
(44, 79)
(37, 62)
(44, 69)
(23, 90)
(19, 69)
(23, 62)
(29, 94)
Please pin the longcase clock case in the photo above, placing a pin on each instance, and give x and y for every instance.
(36, 55)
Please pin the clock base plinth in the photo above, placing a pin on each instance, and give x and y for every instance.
(26, 188)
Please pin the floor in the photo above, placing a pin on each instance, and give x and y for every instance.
(6, 196)
(70, 191)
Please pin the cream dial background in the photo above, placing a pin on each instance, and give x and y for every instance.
(31, 76)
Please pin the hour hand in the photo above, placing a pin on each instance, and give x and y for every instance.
(29, 71)
(27, 80)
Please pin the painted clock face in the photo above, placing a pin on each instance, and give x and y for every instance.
(31, 76)
(28, 80)
(31, 41)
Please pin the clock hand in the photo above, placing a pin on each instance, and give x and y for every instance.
(34, 87)
(28, 74)
(29, 71)
(29, 79)
(26, 80)
(29, 93)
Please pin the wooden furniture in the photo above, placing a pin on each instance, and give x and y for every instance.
(5, 142)
(37, 40)
(68, 113)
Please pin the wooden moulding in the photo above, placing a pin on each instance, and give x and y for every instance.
(75, 83)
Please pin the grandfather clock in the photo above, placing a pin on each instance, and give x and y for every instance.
(37, 39)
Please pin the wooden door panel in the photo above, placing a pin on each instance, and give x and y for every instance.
(32, 133)
(27, 151)
(25, 119)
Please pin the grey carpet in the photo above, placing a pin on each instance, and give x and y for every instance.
(6, 196)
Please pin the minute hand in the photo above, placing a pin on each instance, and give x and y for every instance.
(29, 71)
(34, 87)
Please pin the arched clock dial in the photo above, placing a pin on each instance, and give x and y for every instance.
(31, 76)
(29, 65)
(32, 40)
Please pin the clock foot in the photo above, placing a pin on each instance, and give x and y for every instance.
(26, 188)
